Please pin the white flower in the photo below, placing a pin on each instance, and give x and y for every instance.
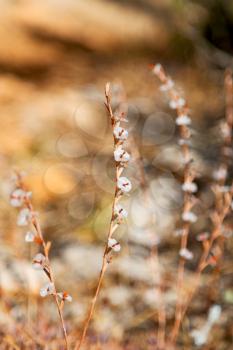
(189, 216)
(177, 103)
(18, 196)
(120, 133)
(121, 155)
(157, 68)
(48, 289)
(124, 184)
(39, 261)
(189, 187)
(214, 313)
(167, 86)
(24, 217)
(114, 245)
(65, 296)
(186, 254)
(30, 236)
(120, 212)
(183, 119)
(220, 174)
(201, 336)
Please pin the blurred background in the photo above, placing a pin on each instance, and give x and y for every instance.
(55, 58)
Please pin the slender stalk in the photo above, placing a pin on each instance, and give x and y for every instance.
(46, 248)
(183, 120)
(205, 258)
(115, 121)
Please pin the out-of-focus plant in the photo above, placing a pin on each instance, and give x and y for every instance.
(213, 242)
(21, 198)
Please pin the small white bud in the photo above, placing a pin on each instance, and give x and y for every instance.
(114, 245)
(39, 262)
(177, 103)
(183, 119)
(157, 68)
(189, 187)
(186, 254)
(24, 217)
(30, 236)
(18, 196)
(120, 133)
(121, 155)
(167, 86)
(48, 289)
(124, 184)
(189, 216)
(214, 314)
(120, 212)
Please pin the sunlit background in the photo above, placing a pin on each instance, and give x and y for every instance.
(55, 58)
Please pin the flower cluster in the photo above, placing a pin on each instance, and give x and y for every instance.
(183, 121)
(20, 198)
(122, 186)
(121, 157)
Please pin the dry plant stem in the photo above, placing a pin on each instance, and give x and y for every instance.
(188, 177)
(222, 201)
(46, 248)
(203, 263)
(105, 260)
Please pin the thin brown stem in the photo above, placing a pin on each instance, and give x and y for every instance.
(182, 112)
(46, 248)
(106, 255)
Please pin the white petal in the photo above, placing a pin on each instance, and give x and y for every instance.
(183, 120)
(189, 187)
(47, 289)
(157, 68)
(30, 236)
(24, 217)
(124, 184)
(112, 243)
(186, 254)
(39, 261)
(120, 133)
(189, 216)
(120, 211)
(121, 155)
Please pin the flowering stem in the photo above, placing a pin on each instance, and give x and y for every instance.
(183, 121)
(107, 250)
(46, 247)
